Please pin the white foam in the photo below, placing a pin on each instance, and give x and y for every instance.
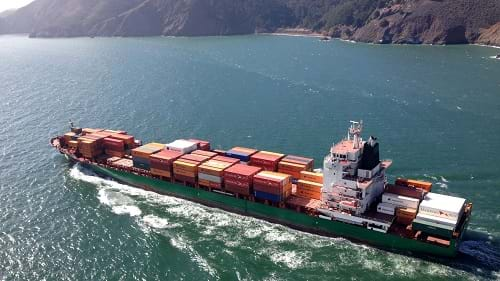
(277, 235)
(155, 222)
(291, 259)
(131, 210)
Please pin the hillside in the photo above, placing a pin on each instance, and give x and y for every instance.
(379, 21)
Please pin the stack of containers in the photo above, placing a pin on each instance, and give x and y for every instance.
(211, 173)
(439, 214)
(114, 147)
(140, 155)
(71, 140)
(186, 167)
(239, 178)
(401, 202)
(272, 186)
(162, 162)
(182, 146)
(266, 160)
(293, 165)
(90, 145)
(128, 140)
(201, 144)
(241, 153)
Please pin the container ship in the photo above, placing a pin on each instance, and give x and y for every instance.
(348, 197)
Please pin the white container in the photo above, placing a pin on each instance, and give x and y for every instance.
(443, 206)
(437, 220)
(386, 208)
(211, 178)
(182, 146)
(400, 201)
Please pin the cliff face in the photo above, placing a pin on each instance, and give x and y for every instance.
(379, 21)
(430, 22)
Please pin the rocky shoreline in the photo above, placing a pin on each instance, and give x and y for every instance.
(388, 22)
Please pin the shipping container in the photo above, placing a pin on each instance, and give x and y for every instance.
(308, 162)
(442, 205)
(386, 208)
(412, 192)
(204, 153)
(201, 144)
(292, 169)
(69, 136)
(73, 144)
(273, 183)
(432, 228)
(268, 196)
(114, 153)
(161, 172)
(183, 146)
(127, 140)
(226, 159)
(241, 153)
(266, 160)
(195, 157)
(400, 201)
(311, 176)
(308, 189)
(427, 186)
(146, 150)
(164, 159)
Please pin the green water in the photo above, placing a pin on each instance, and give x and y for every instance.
(434, 109)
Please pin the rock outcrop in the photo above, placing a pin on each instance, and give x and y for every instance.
(379, 21)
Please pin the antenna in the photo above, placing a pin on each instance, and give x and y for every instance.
(71, 124)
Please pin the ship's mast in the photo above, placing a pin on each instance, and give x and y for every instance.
(354, 133)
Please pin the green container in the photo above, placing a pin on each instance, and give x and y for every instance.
(433, 228)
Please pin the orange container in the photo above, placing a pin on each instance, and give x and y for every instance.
(114, 153)
(427, 186)
(311, 176)
(292, 169)
(204, 153)
(159, 172)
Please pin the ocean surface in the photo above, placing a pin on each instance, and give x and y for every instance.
(434, 109)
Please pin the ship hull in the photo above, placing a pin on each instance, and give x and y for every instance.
(282, 216)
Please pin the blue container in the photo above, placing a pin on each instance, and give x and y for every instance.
(141, 163)
(267, 196)
(245, 157)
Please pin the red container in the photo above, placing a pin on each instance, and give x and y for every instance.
(227, 159)
(201, 144)
(243, 190)
(266, 160)
(185, 179)
(114, 144)
(164, 158)
(241, 173)
(127, 139)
